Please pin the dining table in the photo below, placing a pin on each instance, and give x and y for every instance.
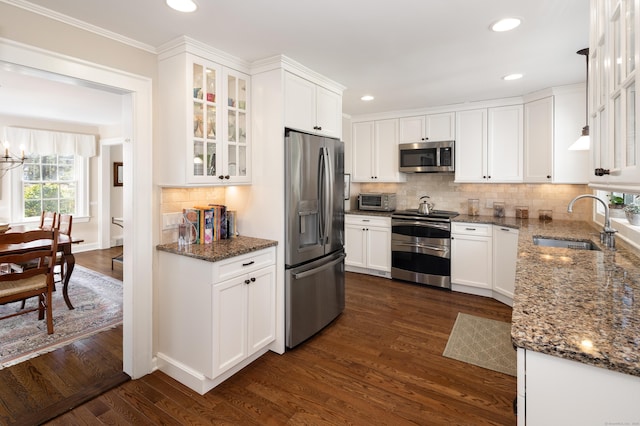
(64, 248)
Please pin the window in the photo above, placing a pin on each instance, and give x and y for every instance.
(50, 182)
(617, 200)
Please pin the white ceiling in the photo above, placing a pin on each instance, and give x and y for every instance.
(407, 53)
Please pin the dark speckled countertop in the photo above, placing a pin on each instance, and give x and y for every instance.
(219, 250)
(575, 304)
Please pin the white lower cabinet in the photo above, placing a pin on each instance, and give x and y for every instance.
(483, 260)
(505, 256)
(559, 391)
(214, 318)
(471, 255)
(368, 244)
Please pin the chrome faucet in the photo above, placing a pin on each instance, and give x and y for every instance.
(607, 236)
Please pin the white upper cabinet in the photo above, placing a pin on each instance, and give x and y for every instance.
(471, 146)
(432, 127)
(505, 144)
(204, 136)
(613, 105)
(312, 108)
(538, 140)
(489, 145)
(375, 151)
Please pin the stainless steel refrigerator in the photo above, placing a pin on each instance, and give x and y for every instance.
(314, 252)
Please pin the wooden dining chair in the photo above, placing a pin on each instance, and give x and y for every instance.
(48, 220)
(63, 226)
(18, 284)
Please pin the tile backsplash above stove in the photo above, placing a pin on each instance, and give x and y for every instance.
(448, 195)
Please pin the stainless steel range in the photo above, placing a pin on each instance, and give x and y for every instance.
(421, 247)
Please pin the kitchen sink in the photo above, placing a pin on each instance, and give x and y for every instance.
(565, 243)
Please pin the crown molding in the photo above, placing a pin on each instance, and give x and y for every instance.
(48, 13)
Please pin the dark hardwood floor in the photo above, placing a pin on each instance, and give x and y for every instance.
(379, 363)
(38, 389)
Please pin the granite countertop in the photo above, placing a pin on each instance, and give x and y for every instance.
(219, 250)
(575, 304)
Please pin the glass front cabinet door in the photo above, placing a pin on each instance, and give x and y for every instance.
(218, 147)
(205, 139)
(613, 106)
(236, 125)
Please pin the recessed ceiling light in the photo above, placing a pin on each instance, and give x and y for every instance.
(182, 5)
(506, 24)
(512, 77)
(367, 98)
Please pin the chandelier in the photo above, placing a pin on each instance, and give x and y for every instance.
(10, 161)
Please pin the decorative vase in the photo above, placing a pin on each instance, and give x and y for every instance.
(633, 218)
(632, 211)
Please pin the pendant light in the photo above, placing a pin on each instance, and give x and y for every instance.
(582, 144)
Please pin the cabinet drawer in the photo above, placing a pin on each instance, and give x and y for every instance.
(471, 228)
(353, 219)
(239, 265)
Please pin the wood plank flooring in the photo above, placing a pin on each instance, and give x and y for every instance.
(379, 363)
(36, 390)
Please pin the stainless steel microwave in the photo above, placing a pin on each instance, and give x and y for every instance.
(382, 202)
(427, 157)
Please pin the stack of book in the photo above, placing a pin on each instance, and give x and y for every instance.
(212, 222)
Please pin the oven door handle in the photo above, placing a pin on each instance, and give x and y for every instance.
(433, 225)
(422, 246)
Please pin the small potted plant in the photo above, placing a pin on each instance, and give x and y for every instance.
(632, 211)
(616, 204)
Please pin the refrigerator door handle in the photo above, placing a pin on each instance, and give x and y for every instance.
(310, 272)
(322, 189)
(328, 196)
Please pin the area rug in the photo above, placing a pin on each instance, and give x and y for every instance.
(482, 342)
(97, 300)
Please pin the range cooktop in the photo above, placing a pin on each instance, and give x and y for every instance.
(440, 214)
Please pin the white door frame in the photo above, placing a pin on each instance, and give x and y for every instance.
(104, 187)
(138, 212)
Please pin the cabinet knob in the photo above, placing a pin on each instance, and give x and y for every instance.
(253, 279)
(227, 177)
(247, 281)
(548, 176)
(601, 171)
(221, 177)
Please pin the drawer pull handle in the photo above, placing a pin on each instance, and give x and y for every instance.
(504, 229)
(248, 263)
(469, 229)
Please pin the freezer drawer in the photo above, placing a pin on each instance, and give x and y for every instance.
(314, 297)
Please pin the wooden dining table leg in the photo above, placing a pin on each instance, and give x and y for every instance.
(69, 262)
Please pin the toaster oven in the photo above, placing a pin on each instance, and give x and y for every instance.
(380, 201)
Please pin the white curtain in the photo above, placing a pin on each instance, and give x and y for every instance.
(48, 142)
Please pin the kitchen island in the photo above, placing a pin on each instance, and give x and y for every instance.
(576, 325)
